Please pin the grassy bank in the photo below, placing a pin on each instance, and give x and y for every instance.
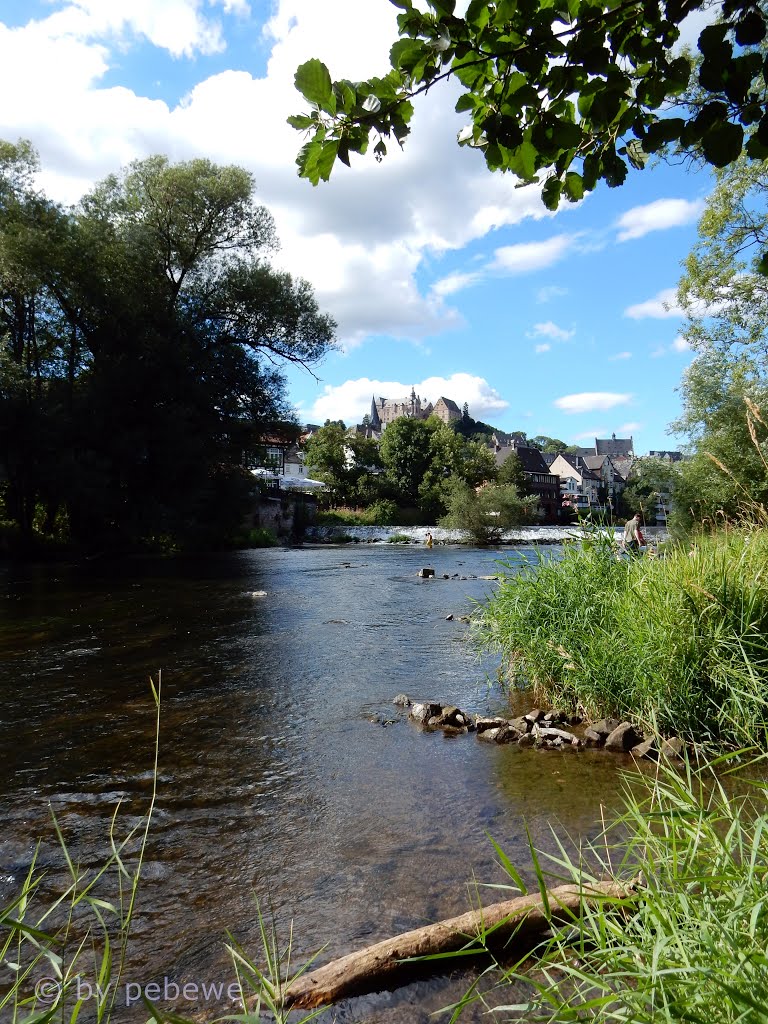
(680, 641)
(687, 942)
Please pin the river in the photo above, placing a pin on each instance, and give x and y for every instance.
(286, 774)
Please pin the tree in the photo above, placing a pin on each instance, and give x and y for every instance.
(348, 463)
(566, 93)
(486, 513)
(407, 456)
(725, 389)
(511, 473)
(138, 334)
(547, 444)
(649, 480)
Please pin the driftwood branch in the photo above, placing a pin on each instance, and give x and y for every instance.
(373, 968)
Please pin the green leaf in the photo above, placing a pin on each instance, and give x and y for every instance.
(301, 121)
(478, 14)
(722, 143)
(313, 81)
(523, 161)
(466, 102)
(505, 11)
(712, 37)
(404, 5)
(755, 149)
(327, 158)
(762, 265)
(550, 194)
(636, 154)
(750, 30)
(405, 53)
(574, 186)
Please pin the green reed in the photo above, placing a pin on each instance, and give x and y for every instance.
(680, 641)
(687, 941)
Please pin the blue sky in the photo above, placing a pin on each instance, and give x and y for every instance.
(440, 275)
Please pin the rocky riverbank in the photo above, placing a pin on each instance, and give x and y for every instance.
(543, 730)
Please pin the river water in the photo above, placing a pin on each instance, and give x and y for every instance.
(286, 774)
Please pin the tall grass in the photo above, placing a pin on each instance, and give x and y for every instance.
(687, 943)
(679, 641)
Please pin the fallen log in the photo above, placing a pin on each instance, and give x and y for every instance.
(376, 966)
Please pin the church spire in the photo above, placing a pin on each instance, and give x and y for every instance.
(375, 420)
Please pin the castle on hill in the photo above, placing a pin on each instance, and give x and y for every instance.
(386, 410)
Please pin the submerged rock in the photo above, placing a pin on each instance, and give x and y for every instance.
(402, 700)
(423, 712)
(425, 573)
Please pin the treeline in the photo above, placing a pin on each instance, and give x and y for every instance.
(424, 468)
(141, 334)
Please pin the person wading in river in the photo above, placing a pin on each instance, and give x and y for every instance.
(633, 535)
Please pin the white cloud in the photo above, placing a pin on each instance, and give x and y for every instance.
(549, 330)
(351, 400)
(589, 401)
(544, 347)
(549, 292)
(657, 216)
(361, 239)
(454, 283)
(527, 256)
(620, 356)
(661, 307)
(627, 429)
(679, 344)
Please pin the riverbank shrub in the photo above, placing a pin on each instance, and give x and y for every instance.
(679, 642)
(261, 537)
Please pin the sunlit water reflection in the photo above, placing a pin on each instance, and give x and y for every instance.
(285, 771)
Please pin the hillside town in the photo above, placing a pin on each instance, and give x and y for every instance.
(567, 481)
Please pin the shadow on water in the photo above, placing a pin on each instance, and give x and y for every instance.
(285, 770)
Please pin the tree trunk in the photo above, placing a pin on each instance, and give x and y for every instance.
(378, 966)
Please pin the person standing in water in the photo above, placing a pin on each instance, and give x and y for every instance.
(429, 540)
(633, 535)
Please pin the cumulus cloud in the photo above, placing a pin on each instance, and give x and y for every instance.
(549, 329)
(362, 239)
(657, 216)
(680, 344)
(544, 347)
(619, 356)
(528, 256)
(589, 401)
(351, 400)
(662, 306)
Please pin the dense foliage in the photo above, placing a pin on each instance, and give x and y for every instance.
(725, 390)
(486, 513)
(412, 465)
(574, 91)
(138, 333)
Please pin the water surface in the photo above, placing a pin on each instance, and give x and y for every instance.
(286, 773)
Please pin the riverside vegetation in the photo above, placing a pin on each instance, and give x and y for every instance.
(680, 642)
(689, 932)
